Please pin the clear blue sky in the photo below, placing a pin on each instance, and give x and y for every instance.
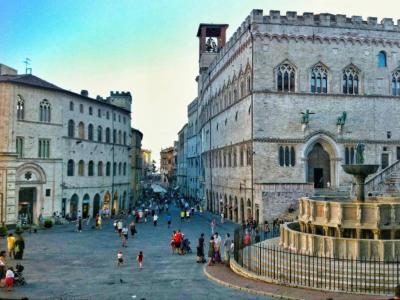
(146, 47)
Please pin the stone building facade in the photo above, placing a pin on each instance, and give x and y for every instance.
(146, 163)
(167, 167)
(181, 170)
(136, 165)
(61, 151)
(283, 103)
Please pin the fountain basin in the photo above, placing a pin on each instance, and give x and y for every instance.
(360, 173)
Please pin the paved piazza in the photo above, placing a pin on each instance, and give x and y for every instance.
(63, 264)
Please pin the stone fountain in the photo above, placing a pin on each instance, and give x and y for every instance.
(360, 171)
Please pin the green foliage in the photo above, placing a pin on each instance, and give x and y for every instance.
(3, 230)
(48, 223)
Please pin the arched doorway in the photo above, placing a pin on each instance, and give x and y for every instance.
(242, 210)
(230, 208)
(249, 214)
(319, 169)
(85, 206)
(115, 204)
(106, 201)
(96, 204)
(236, 214)
(27, 205)
(124, 200)
(225, 207)
(73, 207)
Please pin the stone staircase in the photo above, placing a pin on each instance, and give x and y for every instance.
(385, 182)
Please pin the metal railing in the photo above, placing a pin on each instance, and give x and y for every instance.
(377, 180)
(359, 275)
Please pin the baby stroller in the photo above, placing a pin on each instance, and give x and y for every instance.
(185, 246)
(18, 276)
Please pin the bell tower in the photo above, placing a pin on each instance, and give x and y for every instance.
(212, 38)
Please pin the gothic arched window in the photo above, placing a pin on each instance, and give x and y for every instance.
(124, 169)
(351, 80)
(45, 111)
(70, 168)
(81, 168)
(99, 134)
(71, 106)
(382, 61)
(20, 108)
(91, 168)
(396, 83)
(90, 132)
(100, 168)
(287, 156)
(81, 129)
(71, 128)
(108, 169)
(319, 79)
(107, 135)
(286, 75)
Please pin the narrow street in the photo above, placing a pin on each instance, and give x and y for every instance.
(61, 263)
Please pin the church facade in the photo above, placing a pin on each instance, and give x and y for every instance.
(283, 104)
(61, 151)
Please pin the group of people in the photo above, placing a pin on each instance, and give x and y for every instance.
(179, 243)
(214, 249)
(15, 247)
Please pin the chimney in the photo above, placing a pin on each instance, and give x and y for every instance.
(84, 93)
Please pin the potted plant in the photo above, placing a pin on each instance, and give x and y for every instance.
(3, 231)
(48, 223)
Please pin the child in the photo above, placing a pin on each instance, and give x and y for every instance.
(11, 244)
(140, 259)
(9, 281)
(120, 259)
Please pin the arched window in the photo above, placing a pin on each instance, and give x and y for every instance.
(119, 137)
(20, 108)
(234, 158)
(114, 136)
(108, 169)
(90, 110)
(107, 135)
(99, 134)
(100, 168)
(81, 168)
(70, 168)
(287, 156)
(281, 156)
(81, 108)
(124, 138)
(119, 168)
(90, 132)
(45, 111)
(349, 155)
(71, 128)
(114, 168)
(286, 78)
(351, 79)
(124, 169)
(241, 156)
(382, 61)
(248, 84)
(319, 79)
(71, 106)
(396, 83)
(292, 157)
(91, 168)
(81, 129)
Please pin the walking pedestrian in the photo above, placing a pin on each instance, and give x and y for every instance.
(227, 248)
(124, 236)
(172, 242)
(217, 247)
(11, 245)
(155, 219)
(169, 219)
(222, 217)
(132, 228)
(79, 224)
(139, 259)
(88, 220)
(119, 227)
(115, 225)
(200, 249)
(19, 247)
(211, 251)
(188, 215)
(266, 230)
(212, 224)
(182, 215)
(120, 259)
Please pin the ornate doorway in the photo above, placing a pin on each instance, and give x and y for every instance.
(27, 205)
(319, 170)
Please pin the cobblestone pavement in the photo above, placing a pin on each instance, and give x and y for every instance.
(63, 264)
